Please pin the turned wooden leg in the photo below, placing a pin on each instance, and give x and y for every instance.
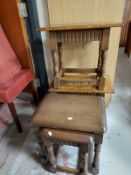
(43, 154)
(85, 163)
(90, 156)
(15, 117)
(84, 157)
(96, 159)
(51, 155)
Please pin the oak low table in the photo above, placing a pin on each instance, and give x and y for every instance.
(79, 120)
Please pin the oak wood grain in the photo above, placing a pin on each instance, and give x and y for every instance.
(74, 112)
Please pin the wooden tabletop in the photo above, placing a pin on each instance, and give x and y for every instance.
(80, 27)
(71, 112)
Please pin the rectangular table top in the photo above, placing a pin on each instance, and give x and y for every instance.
(71, 112)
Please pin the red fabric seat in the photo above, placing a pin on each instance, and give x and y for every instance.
(10, 89)
(13, 78)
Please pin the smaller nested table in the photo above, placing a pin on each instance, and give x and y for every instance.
(71, 119)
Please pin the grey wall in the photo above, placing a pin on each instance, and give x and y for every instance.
(44, 21)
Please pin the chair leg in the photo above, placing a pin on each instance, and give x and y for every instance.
(15, 117)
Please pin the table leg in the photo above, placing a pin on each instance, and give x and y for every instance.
(51, 155)
(84, 156)
(90, 156)
(86, 163)
(43, 152)
(96, 159)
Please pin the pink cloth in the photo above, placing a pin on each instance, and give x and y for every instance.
(9, 64)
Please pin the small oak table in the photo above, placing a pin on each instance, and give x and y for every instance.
(72, 119)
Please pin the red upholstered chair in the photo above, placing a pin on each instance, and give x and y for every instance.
(13, 78)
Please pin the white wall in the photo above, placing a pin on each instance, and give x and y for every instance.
(44, 21)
